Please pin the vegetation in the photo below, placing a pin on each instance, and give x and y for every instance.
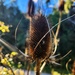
(13, 28)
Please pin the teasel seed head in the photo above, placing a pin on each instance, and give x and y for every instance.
(38, 28)
(61, 5)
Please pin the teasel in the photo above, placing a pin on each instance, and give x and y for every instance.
(38, 49)
(38, 28)
(61, 5)
(31, 8)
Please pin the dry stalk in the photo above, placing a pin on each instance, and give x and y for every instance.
(56, 40)
(38, 63)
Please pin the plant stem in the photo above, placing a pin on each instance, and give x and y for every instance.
(11, 70)
(28, 68)
(38, 62)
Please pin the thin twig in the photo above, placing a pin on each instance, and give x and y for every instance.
(17, 27)
(42, 67)
(56, 34)
(11, 70)
(67, 64)
(64, 55)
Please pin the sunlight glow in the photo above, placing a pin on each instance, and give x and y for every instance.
(35, 1)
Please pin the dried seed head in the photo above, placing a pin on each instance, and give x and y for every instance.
(61, 5)
(38, 28)
(31, 8)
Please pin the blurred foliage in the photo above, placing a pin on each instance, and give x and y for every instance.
(67, 5)
(10, 60)
(8, 63)
(12, 17)
(3, 27)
